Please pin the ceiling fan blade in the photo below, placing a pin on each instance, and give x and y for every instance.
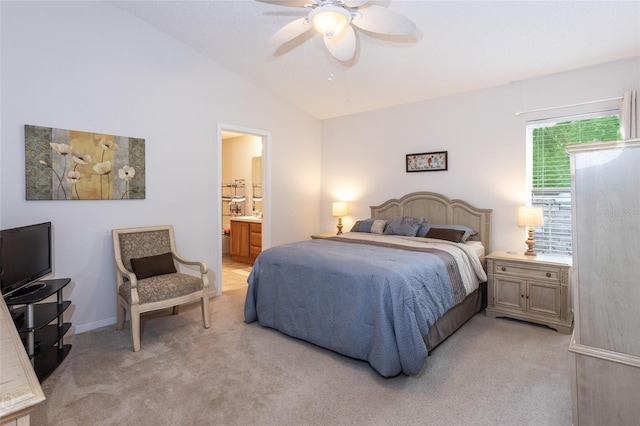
(291, 3)
(355, 3)
(383, 21)
(343, 45)
(290, 31)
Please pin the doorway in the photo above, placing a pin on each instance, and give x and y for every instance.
(244, 185)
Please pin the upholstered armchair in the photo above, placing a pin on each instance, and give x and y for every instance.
(148, 277)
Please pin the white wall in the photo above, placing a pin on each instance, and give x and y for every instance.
(91, 67)
(363, 155)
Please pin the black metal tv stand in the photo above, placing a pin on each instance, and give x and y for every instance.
(41, 325)
(28, 290)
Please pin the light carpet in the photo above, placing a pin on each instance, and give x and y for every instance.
(491, 372)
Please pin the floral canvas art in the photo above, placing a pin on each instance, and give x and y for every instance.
(74, 165)
(427, 161)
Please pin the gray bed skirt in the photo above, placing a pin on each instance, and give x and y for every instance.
(455, 317)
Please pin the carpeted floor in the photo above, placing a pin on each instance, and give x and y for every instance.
(491, 372)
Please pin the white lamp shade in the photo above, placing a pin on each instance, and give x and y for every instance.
(339, 209)
(530, 216)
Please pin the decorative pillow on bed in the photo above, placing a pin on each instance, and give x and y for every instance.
(404, 225)
(374, 226)
(453, 235)
(468, 232)
(362, 225)
(356, 226)
(150, 266)
(378, 226)
(424, 228)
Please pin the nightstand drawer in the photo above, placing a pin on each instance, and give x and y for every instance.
(511, 268)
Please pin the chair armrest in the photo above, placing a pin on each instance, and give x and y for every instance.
(125, 273)
(202, 265)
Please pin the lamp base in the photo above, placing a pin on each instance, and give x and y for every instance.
(530, 243)
(339, 226)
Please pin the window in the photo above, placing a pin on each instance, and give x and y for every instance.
(551, 174)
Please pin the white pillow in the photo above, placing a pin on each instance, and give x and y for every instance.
(378, 226)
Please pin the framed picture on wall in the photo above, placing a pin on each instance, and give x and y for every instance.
(66, 164)
(427, 162)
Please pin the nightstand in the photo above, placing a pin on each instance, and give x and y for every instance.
(530, 288)
(323, 235)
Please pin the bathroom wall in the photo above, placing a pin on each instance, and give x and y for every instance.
(237, 155)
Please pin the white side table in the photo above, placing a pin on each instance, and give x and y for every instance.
(530, 288)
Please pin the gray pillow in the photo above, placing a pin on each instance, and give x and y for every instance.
(362, 225)
(374, 226)
(404, 225)
(356, 226)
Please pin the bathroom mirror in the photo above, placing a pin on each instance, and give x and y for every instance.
(256, 178)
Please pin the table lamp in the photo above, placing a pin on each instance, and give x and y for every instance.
(339, 210)
(530, 217)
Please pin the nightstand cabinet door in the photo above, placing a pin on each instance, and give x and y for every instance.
(509, 292)
(543, 298)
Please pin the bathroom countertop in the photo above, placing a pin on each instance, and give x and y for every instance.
(247, 219)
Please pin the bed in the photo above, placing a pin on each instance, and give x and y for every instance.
(384, 299)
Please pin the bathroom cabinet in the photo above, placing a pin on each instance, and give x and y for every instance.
(246, 239)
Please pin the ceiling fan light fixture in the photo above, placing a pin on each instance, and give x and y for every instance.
(330, 20)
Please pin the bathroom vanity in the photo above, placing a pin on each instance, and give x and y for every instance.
(246, 238)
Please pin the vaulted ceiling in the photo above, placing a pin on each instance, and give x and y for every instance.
(459, 46)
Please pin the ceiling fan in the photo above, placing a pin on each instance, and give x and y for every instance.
(335, 19)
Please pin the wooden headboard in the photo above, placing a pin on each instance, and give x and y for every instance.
(436, 208)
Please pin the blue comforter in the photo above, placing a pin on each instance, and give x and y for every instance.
(365, 301)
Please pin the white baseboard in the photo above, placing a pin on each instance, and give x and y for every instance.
(92, 326)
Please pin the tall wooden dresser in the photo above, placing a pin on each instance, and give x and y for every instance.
(606, 283)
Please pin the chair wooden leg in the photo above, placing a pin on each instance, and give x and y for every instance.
(121, 313)
(206, 317)
(135, 327)
(176, 310)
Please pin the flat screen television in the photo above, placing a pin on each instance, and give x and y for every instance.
(25, 257)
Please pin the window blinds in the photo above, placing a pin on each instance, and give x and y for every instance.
(551, 174)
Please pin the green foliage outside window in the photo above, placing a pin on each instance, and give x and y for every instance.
(551, 162)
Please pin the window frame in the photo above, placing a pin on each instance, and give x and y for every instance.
(562, 201)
